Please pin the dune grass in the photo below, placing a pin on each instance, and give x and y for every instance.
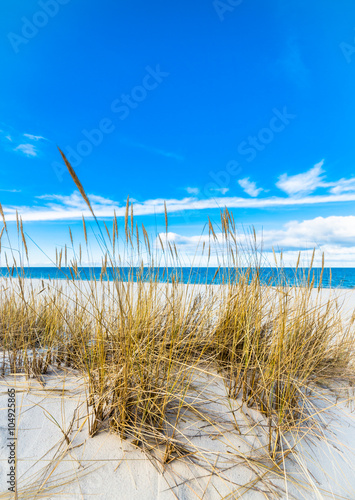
(141, 342)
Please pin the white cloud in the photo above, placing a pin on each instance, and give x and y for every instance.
(57, 207)
(193, 190)
(27, 149)
(196, 191)
(334, 235)
(307, 182)
(311, 232)
(307, 234)
(76, 201)
(335, 256)
(302, 184)
(34, 137)
(222, 190)
(343, 186)
(249, 187)
(26, 144)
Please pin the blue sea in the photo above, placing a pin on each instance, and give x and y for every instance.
(335, 278)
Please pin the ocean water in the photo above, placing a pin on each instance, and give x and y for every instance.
(335, 278)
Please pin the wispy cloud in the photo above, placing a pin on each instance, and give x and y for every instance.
(76, 201)
(308, 182)
(27, 149)
(222, 190)
(304, 183)
(196, 191)
(35, 137)
(24, 143)
(57, 207)
(299, 187)
(10, 190)
(343, 186)
(193, 190)
(249, 187)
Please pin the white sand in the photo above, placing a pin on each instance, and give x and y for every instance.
(107, 467)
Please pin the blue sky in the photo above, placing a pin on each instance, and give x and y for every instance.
(245, 104)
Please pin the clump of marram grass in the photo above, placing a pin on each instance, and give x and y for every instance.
(274, 344)
(140, 342)
(148, 366)
(28, 329)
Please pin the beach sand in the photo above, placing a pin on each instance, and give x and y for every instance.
(57, 459)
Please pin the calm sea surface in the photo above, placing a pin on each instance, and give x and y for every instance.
(335, 278)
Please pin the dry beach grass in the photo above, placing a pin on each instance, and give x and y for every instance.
(200, 379)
